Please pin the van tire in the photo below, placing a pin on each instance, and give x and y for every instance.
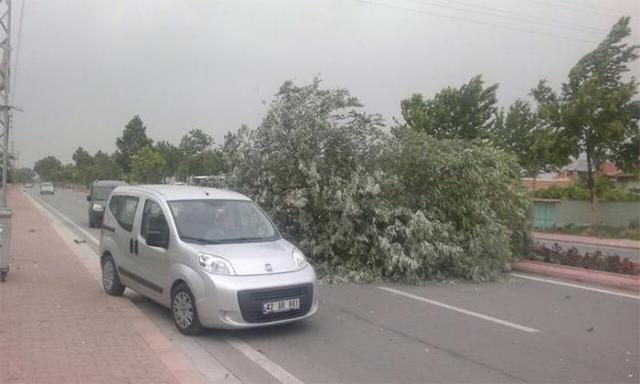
(184, 311)
(110, 278)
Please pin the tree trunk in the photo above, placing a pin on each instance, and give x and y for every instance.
(592, 174)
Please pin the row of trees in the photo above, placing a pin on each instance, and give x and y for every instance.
(137, 159)
(596, 113)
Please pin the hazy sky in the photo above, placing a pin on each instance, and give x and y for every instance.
(86, 67)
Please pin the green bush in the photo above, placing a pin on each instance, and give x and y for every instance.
(577, 191)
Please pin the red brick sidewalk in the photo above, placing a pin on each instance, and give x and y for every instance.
(58, 326)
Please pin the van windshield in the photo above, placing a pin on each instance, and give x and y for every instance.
(101, 193)
(221, 221)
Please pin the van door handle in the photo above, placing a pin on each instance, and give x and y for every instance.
(130, 245)
(135, 246)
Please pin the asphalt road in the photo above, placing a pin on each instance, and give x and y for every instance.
(518, 330)
(630, 253)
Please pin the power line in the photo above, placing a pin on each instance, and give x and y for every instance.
(596, 7)
(501, 13)
(574, 8)
(414, 10)
(15, 68)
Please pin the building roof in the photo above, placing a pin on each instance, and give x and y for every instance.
(608, 168)
(183, 192)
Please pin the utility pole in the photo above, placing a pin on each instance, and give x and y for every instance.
(5, 63)
(5, 75)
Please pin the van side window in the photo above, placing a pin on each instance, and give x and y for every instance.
(153, 220)
(124, 210)
(113, 205)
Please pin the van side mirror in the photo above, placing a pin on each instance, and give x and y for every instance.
(89, 198)
(157, 239)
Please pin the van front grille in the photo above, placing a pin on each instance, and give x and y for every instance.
(251, 302)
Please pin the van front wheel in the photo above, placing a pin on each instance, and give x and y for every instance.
(184, 312)
(110, 279)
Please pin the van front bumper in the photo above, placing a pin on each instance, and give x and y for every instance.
(236, 301)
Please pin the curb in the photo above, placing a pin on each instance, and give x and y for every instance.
(609, 279)
(593, 241)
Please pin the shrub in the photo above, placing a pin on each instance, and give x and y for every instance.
(596, 260)
(577, 191)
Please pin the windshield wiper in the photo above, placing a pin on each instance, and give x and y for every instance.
(241, 239)
(199, 240)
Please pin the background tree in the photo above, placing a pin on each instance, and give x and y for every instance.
(195, 141)
(105, 167)
(134, 137)
(468, 112)
(629, 153)
(595, 112)
(68, 173)
(24, 175)
(83, 166)
(49, 169)
(198, 157)
(172, 158)
(525, 135)
(147, 166)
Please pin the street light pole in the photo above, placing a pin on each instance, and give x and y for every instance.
(5, 75)
(5, 212)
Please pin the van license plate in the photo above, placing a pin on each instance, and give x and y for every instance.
(280, 306)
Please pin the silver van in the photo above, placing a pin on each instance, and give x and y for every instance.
(210, 255)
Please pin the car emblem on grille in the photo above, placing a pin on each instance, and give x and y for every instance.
(268, 268)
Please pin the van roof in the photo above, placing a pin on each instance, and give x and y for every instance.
(183, 192)
(110, 183)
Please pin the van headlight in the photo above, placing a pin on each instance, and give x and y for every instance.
(299, 259)
(215, 264)
(97, 208)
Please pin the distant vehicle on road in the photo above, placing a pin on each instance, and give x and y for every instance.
(28, 185)
(47, 188)
(212, 256)
(97, 198)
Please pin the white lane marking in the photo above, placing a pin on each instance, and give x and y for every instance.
(249, 352)
(462, 310)
(264, 362)
(68, 220)
(586, 288)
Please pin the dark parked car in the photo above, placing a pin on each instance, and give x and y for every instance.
(97, 198)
